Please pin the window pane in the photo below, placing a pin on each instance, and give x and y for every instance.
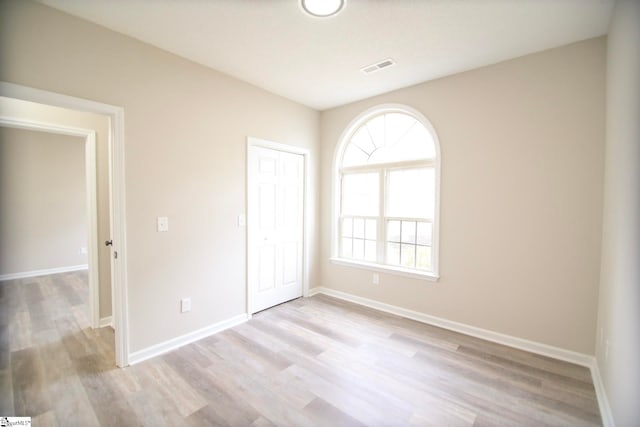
(347, 227)
(354, 156)
(346, 248)
(416, 144)
(362, 140)
(397, 125)
(408, 232)
(375, 128)
(411, 193)
(408, 255)
(423, 257)
(371, 229)
(425, 233)
(358, 228)
(393, 253)
(393, 231)
(370, 251)
(360, 194)
(405, 138)
(358, 248)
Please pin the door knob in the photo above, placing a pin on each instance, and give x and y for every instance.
(108, 242)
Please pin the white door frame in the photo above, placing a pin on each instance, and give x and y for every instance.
(117, 205)
(89, 136)
(263, 143)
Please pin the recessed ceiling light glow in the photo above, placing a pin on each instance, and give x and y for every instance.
(322, 8)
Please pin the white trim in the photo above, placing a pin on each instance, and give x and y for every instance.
(382, 268)
(44, 272)
(314, 291)
(182, 340)
(485, 334)
(601, 394)
(306, 227)
(106, 321)
(118, 210)
(343, 141)
(91, 190)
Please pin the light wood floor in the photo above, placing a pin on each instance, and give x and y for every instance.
(316, 361)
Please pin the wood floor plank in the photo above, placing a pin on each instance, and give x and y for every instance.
(159, 375)
(29, 385)
(48, 419)
(310, 362)
(296, 342)
(110, 406)
(6, 391)
(328, 415)
(222, 403)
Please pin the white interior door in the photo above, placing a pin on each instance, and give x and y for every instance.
(276, 203)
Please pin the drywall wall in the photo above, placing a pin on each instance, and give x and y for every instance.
(43, 216)
(618, 334)
(30, 111)
(185, 153)
(521, 195)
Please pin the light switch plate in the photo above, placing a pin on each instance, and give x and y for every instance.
(185, 305)
(163, 223)
(242, 220)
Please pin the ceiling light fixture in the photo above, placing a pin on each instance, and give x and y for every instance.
(322, 8)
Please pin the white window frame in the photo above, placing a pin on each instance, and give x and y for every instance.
(345, 138)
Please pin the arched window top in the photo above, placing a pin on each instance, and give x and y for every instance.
(389, 137)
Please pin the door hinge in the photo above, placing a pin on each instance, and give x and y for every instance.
(115, 254)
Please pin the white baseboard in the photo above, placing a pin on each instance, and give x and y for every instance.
(601, 394)
(106, 321)
(45, 272)
(313, 291)
(485, 334)
(172, 344)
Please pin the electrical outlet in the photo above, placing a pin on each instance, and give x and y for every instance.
(83, 251)
(185, 305)
(376, 279)
(242, 220)
(163, 223)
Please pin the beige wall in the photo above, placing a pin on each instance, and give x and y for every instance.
(619, 308)
(185, 150)
(521, 179)
(24, 110)
(521, 194)
(43, 216)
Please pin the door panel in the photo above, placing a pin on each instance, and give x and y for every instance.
(266, 268)
(267, 206)
(290, 263)
(276, 186)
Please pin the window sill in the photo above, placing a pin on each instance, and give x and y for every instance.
(397, 271)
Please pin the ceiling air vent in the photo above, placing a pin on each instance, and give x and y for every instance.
(385, 63)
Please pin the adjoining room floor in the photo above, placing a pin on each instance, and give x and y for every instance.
(316, 361)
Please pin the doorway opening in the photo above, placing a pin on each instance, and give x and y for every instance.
(114, 174)
(44, 246)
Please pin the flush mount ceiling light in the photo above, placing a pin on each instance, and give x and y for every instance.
(322, 8)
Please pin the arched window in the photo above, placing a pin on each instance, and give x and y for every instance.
(386, 188)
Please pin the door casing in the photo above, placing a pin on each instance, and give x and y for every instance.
(117, 198)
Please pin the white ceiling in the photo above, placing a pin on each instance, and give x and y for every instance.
(274, 45)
